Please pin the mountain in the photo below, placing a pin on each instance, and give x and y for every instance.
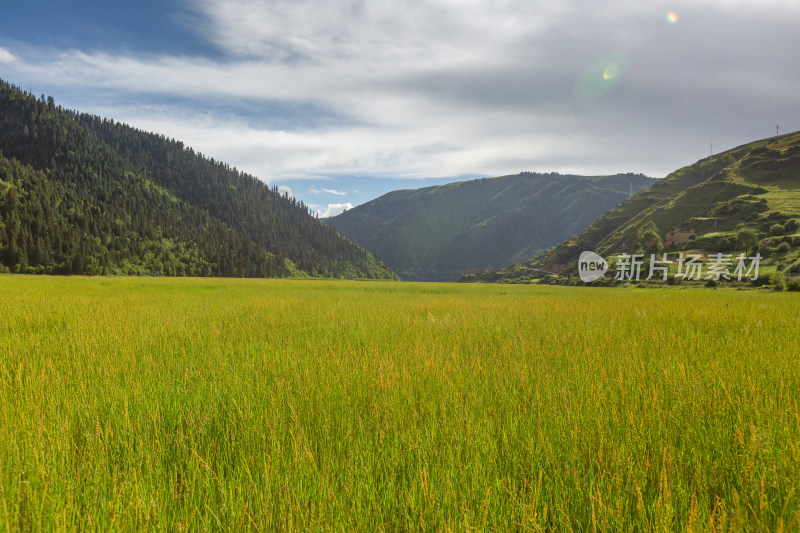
(84, 195)
(440, 233)
(754, 186)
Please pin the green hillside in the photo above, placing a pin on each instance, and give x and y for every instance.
(440, 233)
(84, 195)
(755, 186)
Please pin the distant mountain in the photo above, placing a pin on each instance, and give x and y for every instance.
(84, 195)
(440, 233)
(755, 186)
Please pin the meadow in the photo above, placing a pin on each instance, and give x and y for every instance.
(275, 405)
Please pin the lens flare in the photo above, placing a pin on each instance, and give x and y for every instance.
(601, 76)
(672, 17)
(611, 71)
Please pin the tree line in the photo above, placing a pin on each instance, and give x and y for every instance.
(84, 195)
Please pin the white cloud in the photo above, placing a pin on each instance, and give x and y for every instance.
(451, 87)
(6, 56)
(283, 189)
(314, 190)
(334, 209)
(355, 31)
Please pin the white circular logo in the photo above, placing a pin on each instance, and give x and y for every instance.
(591, 267)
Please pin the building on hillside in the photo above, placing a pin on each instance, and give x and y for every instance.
(678, 237)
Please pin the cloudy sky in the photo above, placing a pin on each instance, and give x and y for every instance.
(343, 100)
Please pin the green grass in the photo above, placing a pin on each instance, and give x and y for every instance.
(188, 404)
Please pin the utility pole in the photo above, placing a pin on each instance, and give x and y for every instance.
(710, 149)
(777, 129)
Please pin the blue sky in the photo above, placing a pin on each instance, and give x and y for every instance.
(123, 27)
(340, 101)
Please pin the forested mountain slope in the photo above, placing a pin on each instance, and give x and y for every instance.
(84, 195)
(754, 187)
(440, 233)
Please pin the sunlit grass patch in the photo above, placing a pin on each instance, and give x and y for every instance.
(138, 403)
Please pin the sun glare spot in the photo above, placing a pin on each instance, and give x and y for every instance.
(611, 71)
(672, 17)
(601, 77)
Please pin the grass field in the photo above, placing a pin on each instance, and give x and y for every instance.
(187, 404)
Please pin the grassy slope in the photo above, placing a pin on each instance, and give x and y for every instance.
(754, 185)
(133, 403)
(439, 233)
